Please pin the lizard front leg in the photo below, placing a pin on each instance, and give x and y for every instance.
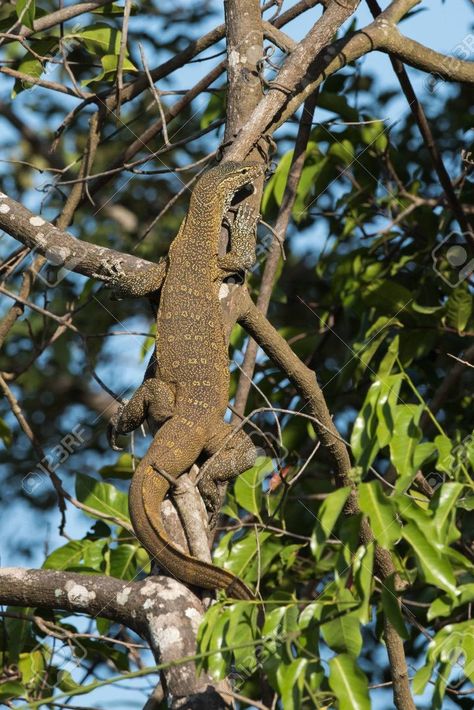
(242, 241)
(233, 452)
(154, 399)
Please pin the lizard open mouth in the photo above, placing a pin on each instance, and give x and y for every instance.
(242, 193)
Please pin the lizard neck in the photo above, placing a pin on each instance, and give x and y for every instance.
(200, 233)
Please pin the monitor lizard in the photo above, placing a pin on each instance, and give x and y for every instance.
(186, 390)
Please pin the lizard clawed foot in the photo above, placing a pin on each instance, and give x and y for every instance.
(247, 217)
(211, 498)
(113, 429)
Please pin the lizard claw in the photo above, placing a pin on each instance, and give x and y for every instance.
(112, 429)
(112, 437)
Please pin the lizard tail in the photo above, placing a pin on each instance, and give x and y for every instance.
(147, 492)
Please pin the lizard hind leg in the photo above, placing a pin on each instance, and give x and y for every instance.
(232, 452)
(154, 400)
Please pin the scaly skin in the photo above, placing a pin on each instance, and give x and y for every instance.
(189, 387)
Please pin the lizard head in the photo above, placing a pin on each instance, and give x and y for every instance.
(220, 184)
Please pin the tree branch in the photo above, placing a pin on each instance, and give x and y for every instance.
(161, 610)
(424, 127)
(315, 58)
(122, 271)
(54, 18)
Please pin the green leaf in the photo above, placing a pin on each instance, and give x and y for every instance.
(390, 358)
(248, 486)
(32, 66)
(94, 554)
(290, 678)
(99, 38)
(343, 150)
(19, 633)
(342, 633)
(69, 555)
(26, 10)
(386, 406)
(215, 109)
(467, 503)
(388, 297)
(423, 452)
(5, 433)
(326, 518)
(32, 667)
(421, 678)
(111, 9)
(365, 350)
(337, 103)
(12, 689)
(444, 506)
(435, 566)
(122, 469)
(103, 497)
(364, 442)
(381, 513)
(348, 683)
(375, 134)
(444, 606)
(405, 439)
(245, 557)
(240, 630)
(67, 683)
(459, 307)
(123, 561)
(362, 566)
(109, 68)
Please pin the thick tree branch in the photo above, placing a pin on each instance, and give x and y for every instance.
(420, 57)
(122, 271)
(291, 76)
(164, 612)
(315, 58)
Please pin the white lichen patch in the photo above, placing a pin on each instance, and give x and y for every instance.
(78, 594)
(165, 635)
(149, 588)
(173, 590)
(3, 196)
(148, 604)
(234, 58)
(123, 595)
(4, 209)
(194, 616)
(58, 593)
(36, 221)
(192, 613)
(13, 573)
